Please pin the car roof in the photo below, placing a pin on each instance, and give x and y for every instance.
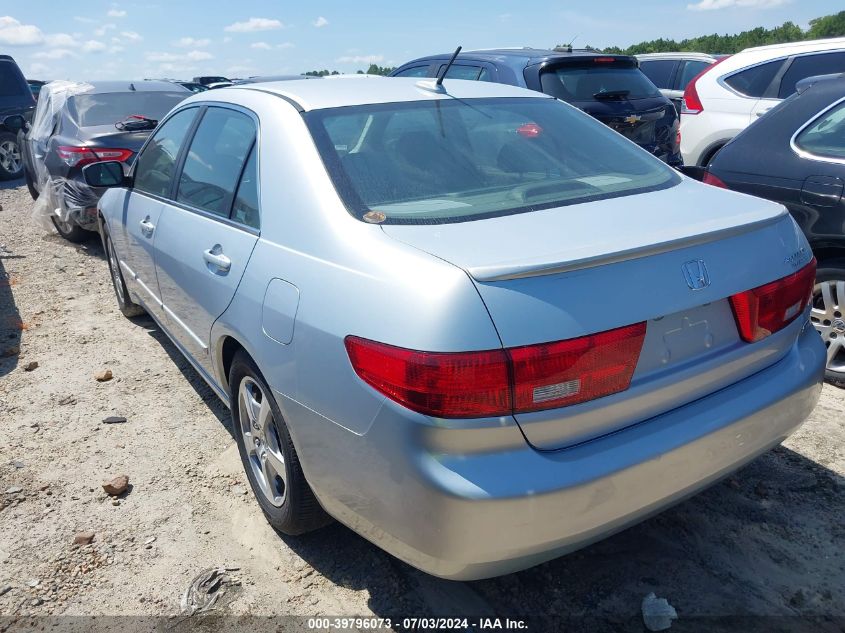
(804, 46)
(352, 90)
(525, 56)
(142, 85)
(268, 78)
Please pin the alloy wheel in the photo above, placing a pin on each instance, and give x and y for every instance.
(827, 317)
(261, 441)
(10, 157)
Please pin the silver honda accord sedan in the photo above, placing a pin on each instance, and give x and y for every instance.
(468, 321)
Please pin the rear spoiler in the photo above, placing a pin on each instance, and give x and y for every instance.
(805, 84)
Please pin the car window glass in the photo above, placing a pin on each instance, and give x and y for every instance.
(463, 71)
(452, 160)
(593, 81)
(415, 71)
(752, 82)
(689, 71)
(157, 161)
(110, 107)
(659, 71)
(810, 66)
(215, 160)
(825, 137)
(245, 208)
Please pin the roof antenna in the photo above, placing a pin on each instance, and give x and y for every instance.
(132, 87)
(445, 70)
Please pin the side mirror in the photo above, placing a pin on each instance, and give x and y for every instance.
(15, 123)
(108, 173)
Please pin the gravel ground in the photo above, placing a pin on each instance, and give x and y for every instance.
(761, 543)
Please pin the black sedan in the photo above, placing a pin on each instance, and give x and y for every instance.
(80, 123)
(795, 155)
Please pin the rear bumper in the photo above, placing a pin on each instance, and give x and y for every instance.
(490, 512)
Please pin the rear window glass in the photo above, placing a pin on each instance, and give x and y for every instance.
(11, 81)
(826, 137)
(754, 81)
(810, 66)
(597, 81)
(449, 160)
(659, 71)
(690, 71)
(111, 107)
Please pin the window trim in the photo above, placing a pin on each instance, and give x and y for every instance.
(203, 107)
(786, 68)
(802, 153)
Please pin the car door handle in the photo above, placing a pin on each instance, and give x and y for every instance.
(215, 257)
(147, 227)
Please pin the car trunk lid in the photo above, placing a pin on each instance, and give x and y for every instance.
(569, 272)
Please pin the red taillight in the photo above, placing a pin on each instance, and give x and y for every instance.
(78, 156)
(711, 179)
(462, 385)
(568, 372)
(529, 130)
(603, 60)
(500, 382)
(766, 309)
(692, 102)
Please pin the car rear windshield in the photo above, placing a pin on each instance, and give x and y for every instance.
(110, 107)
(450, 160)
(594, 80)
(11, 80)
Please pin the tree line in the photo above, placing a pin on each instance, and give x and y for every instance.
(826, 26)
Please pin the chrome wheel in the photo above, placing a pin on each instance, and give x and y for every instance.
(827, 317)
(261, 441)
(10, 157)
(115, 272)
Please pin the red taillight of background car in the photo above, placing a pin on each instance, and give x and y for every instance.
(79, 156)
(766, 309)
(712, 179)
(494, 383)
(529, 130)
(692, 102)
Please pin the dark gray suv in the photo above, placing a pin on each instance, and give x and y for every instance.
(15, 99)
(609, 87)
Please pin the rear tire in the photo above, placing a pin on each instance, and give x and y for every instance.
(70, 230)
(30, 184)
(828, 316)
(268, 455)
(126, 305)
(11, 161)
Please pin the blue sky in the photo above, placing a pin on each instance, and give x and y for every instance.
(104, 39)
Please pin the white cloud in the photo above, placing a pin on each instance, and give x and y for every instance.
(264, 46)
(227, 39)
(84, 20)
(710, 5)
(56, 53)
(99, 32)
(60, 40)
(116, 13)
(116, 49)
(169, 58)
(131, 36)
(286, 45)
(37, 69)
(93, 46)
(190, 42)
(360, 59)
(254, 24)
(13, 33)
(320, 22)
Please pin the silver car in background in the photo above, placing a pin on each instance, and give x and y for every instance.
(468, 321)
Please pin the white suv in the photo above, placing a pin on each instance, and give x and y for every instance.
(732, 93)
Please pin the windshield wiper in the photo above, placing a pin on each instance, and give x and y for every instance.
(612, 94)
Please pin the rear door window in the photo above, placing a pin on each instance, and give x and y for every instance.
(245, 208)
(659, 71)
(688, 73)
(826, 137)
(810, 66)
(464, 71)
(12, 83)
(753, 82)
(157, 161)
(597, 81)
(215, 160)
(413, 71)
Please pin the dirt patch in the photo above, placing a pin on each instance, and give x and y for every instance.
(763, 543)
